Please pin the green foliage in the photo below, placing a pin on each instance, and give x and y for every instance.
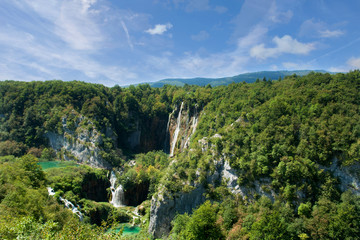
(288, 132)
(200, 225)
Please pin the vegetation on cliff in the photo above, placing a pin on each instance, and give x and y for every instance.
(288, 133)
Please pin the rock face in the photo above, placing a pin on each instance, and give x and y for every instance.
(163, 210)
(147, 134)
(94, 188)
(229, 175)
(136, 194)
(349, 176)
(80, 144)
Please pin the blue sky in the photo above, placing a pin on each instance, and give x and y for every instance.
(126, 42)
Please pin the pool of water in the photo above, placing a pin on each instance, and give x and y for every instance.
(128, 229)
(55, 164)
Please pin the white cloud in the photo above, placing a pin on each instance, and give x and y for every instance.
(86, 4)
(73, 22)
(296, 66)
(277, 16)
(286, 44)
(50, 61)
(354, 63)
(203, 64)
(197, 5)
(159, 29)
(201, 36)
(253, 37)
(319, 29)
(329, 34)
(338, 69)
(351, 64)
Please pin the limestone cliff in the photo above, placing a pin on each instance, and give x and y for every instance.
(80, 142)
(147, 134)
(164, 208)
(349, 176)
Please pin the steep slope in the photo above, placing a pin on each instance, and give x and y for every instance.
(269, 152)
(291, 141)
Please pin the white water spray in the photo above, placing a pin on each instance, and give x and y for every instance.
(177, 130)
(166, 141)
(195, 120)
(117, 194)
(67, 204)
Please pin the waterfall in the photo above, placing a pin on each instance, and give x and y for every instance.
(117, 194)
(71, 206)
(67, 204)
(177, 130)
(167, 134)
(195, 120)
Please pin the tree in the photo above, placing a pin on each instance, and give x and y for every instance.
(202, 224)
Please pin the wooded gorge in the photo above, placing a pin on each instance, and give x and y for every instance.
(265, 160)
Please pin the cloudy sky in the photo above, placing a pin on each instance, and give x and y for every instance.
(131, 41)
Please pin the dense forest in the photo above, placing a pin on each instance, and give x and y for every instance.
(273, 159)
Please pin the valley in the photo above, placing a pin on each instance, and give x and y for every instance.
(264, 160)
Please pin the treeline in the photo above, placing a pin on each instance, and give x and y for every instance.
(29, 109)
(28, 212)
(286, 132)
(231, 219)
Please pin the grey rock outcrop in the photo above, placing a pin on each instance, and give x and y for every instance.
(164, 209)
(349, 176)
(80, 145)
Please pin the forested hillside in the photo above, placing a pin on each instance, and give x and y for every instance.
(274, 159)
(244, 77)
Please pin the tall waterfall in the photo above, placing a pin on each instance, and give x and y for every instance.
(195, 120)
(177, 130)
(117, 194)
(167, 136)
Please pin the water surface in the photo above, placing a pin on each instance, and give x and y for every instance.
(128, 229)
(56, 164)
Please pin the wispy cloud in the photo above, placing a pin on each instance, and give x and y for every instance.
(296, 66)
(354, 63)
(197, 5)
(201, 36)
(286, 44)
(319, 29)
(73, 22)
(330, 34)
(253, 37)
(159, 29)
(127, 34)
(33, 59)
(277, 16)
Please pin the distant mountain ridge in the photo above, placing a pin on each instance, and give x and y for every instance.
(247, 77)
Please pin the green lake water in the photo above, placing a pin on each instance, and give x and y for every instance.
(128, 229)
(55, 164)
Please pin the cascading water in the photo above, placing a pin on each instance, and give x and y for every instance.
(67, 204)
(167, 136)
(195, 120)
(177, 130)
(117, 194)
